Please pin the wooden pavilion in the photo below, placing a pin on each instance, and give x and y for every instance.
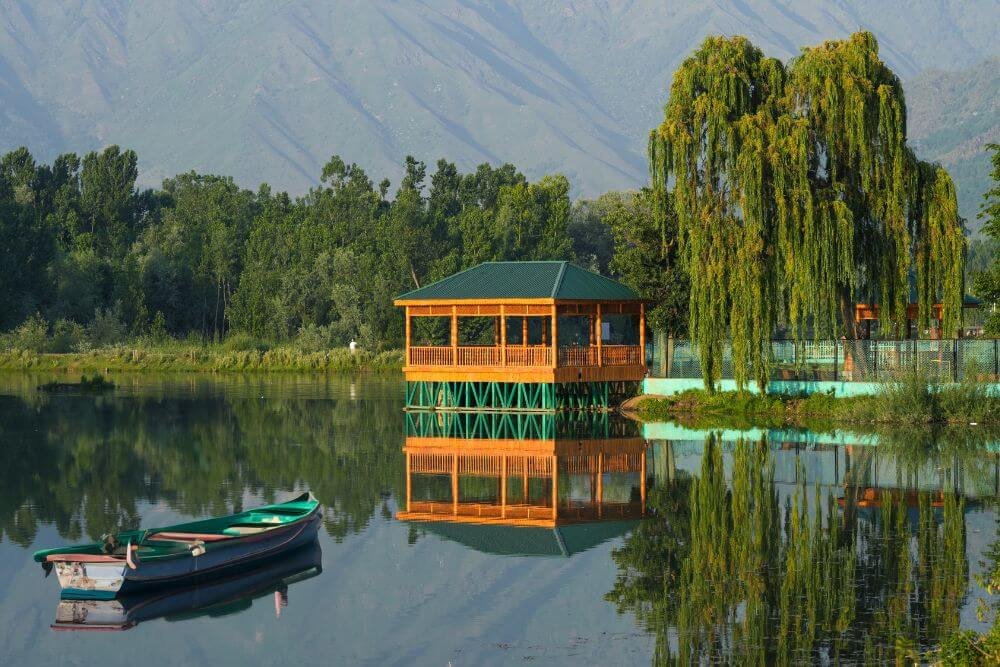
(522, 336)
(866, 317)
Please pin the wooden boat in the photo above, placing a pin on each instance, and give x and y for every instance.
(186, 553)
(220, 597)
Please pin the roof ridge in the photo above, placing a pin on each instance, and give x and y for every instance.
(559, 279)
(525, 261)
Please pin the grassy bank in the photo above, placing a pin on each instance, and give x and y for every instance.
(912, 399)
(182, 357)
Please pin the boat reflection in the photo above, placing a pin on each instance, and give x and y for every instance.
(523, 484)
(229, 595)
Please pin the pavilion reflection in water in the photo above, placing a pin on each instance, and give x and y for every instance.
(530, 484)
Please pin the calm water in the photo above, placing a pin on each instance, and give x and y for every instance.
(697, 548)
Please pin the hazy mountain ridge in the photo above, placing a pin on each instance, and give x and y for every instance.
(268, 91)
(952, 118)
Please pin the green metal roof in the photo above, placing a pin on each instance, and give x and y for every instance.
(503, 540)
(524, 280)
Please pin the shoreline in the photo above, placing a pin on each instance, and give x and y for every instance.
(898, 404)
(202, 359)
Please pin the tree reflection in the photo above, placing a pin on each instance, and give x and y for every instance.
(736, 567)
(84, 464)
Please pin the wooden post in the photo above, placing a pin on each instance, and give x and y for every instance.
(642, 335)
(503, 486)
(503, 335)
(545, 331)
(555, 336)
(409, 482)
(600, 335)
(454, 484)
(600, 482)
(407, 342)
(454, 335)
(524, 331)
(555, 485)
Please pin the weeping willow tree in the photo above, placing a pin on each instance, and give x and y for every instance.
(796, 196)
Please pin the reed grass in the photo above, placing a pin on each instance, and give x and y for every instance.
(913, 397)
(193, 357)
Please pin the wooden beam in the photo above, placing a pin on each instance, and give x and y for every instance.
(600, 335)
(408, 335)
(524, 331)
(454, 484)
(503, 335)
(555, 485)
(555, 337)
(600, 481)
(503, 486)
(438, 302)
(454, 335)
(409, 482)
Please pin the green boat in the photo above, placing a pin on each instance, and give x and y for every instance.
(185, 553)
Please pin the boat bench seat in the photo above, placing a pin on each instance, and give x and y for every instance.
(249, 528)
(188, 537)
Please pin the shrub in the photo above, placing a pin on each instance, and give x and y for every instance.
(158, 329)
(32, 334)
(314, 338)
(967, 401)
(910, 396)
(244, 342)
(67, 336)
(107, 328)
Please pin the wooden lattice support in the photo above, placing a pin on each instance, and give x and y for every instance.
(517, 396)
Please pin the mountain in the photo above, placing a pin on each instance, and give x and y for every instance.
(267, 90)
(952, 117)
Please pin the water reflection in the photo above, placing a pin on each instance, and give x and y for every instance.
(797, 548)
(524, 484)
(85, 463)
(772, 558)
(220, 597)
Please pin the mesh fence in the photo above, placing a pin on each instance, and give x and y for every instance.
(845, 360)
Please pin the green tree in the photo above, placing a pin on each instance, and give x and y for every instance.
(107, 198)
(590, 233)
(986, 284)
(27, 241)
(646, 255)
(190, 263)
(796, 194)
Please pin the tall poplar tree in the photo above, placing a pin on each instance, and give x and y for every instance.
(796, 196)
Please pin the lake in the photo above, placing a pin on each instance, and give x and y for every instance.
(488, 539)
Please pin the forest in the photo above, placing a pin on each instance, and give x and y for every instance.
(772, 208)
(88, 260)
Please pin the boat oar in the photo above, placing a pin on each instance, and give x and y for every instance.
(134, 564)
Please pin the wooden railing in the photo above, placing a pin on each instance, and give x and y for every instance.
(479, 356)
(430, 356)
(578, 356)
(536, 356)
(532, 355)
(621, 355)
